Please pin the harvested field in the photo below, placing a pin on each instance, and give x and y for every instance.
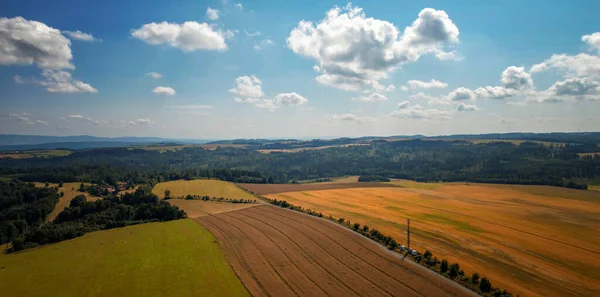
(177, 258)
(277, 252)
(214, 146)
(198, 208)
(35, 154)
(531, 240)
(70, 190)
(263, 189)
(210, 187)
(301, 149)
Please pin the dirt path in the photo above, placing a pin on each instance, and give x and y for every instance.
(277, 252)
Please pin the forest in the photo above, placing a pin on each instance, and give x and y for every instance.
(421, 160)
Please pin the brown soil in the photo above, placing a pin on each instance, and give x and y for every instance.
(263, 189)
(278, 252)
(198, 208)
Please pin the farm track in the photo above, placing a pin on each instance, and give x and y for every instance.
(277, 252)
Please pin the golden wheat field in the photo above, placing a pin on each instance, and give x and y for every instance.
(210, 187)
(531, 240)
(70, 190)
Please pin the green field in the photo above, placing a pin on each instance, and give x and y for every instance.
(177, 258)
(210, 187)
(34, 154)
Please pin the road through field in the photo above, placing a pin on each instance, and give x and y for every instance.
(278, 252)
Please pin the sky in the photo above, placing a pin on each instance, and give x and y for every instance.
(268, 69)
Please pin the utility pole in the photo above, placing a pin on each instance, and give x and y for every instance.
(408, 231)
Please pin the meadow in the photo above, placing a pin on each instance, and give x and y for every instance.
(70, 190)
(210, 187)
(531, 240)
(177, 258)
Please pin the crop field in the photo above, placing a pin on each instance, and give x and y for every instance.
(210, 187)
(264, 189)
(278, 252)
(214, 146)
(531, 240)
(198, 208)
(70, 190)
(301, 149)
(34, 154)
(177, 258)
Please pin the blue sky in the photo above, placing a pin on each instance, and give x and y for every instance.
(259, 69)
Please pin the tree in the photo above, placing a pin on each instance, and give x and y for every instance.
(60, 185)
(356, 226)
(365, 228)
(475, 278)
(454, 269)
(78, 201)
(485, 285)
(427, 255)
(444, 266)
(167, 194)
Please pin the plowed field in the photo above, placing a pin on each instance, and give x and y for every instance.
(278, 252)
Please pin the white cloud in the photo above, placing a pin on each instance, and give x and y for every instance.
(188, 37)
(418, 112)
(371, 98)
(154, 75)
(593, 41)
(494, 92)
(466, 107)
(417, 84)
(43, 123)
(239, 5)
(252, 34)
(570, 89)
(579, 65)
(390, 88)
(189, 107)
(445, 56)
(248, 88)
(144, 121)
(164, 91)
(88, 119)
(289, 99)
(517, 103)
(461, 94)
(25, 119)
(27, 42)
(78, 35)
(355, 52)
(212, 14)
(404, 104)
(267, 104)
(58, 81)
(516, 78)
(262, 44)
(348, 117)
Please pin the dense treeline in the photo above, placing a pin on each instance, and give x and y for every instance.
(372, 178)
(23, 207)
(422, 160)
(84, 216)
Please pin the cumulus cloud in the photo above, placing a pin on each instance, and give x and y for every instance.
(494, 92)
(417, 84)
(516, 78)
(593, 41)
(78, 35)
(143, 121)
(390, 88)
(262, 44)
(466, 107)
(88, 119)
(164, 91)
(289, 99)
(348, 117)
(371, 98)
(188, 37)
(27, 42)
(239, 5)
(579, 65)
(58, 81)
(212, 14)
(570, 89)
(248, 88)
(404, 104)
(154, 75)
(354, 52)
(267, 104)
(418, 112)
(461, 94)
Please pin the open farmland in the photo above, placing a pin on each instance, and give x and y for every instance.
(301, 149)
(70, 191)
(278, 252)
(34, 154)
(201, 187)
(531, 240)
(198, 208)
(177, 258)
(263, 189)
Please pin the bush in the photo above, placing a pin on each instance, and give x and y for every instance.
(444, 266)
(475, 278)
(485, 285)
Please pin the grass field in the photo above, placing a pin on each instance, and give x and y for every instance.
(531, 240)
(35, 154)
(70, 190)
(212, 188)
(177, 258)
